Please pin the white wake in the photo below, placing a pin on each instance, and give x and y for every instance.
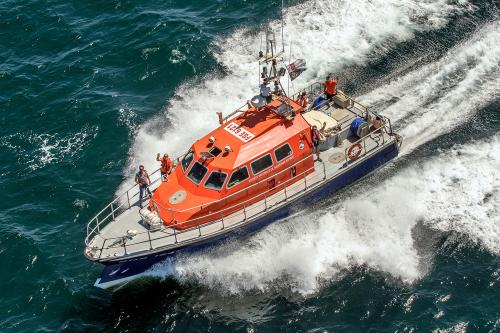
(328, 34)
(456, 190)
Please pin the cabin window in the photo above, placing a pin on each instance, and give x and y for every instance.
(261, 164)
(215, 151)
(283, 152)
(186, 160)
(238, 176)
(197, 173)
(215, 180)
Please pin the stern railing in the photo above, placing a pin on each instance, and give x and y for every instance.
(260, 200)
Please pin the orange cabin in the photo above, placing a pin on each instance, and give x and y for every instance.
(236, 165)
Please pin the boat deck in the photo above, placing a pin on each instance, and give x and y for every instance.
(113, 241)
(118, 231)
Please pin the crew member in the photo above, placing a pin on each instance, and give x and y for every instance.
(142, 179)
(265, 91)
(166, 165)
(330, 86)
(303, 100)
(316, 138)
(376, 123)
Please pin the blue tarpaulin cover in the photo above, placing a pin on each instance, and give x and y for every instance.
(318, 102)
(355, 125)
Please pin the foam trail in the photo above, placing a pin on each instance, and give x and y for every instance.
(456, 191)
(437, 97)
(347, 33)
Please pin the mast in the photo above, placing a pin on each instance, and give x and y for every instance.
(268, 63)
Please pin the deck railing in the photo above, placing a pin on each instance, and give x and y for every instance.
(264, 198)
(316, 89)
(121, 203)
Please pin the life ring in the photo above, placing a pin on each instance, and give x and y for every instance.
(354, 151)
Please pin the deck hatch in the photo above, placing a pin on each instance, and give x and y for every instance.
(215, 151)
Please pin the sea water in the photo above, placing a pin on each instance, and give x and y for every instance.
(89, 90)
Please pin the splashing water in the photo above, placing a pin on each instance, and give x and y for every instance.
(429, 101)
(358, 32)
(456, 191)
(437, 97)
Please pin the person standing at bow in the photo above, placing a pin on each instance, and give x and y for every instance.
(142, 179)
(166, 165)
(330, 87)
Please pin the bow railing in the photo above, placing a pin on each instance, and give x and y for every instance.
(259, 202)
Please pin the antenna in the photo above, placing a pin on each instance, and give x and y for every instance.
(269, 59)
(282, 27)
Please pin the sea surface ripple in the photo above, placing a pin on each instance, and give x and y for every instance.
(90, 89)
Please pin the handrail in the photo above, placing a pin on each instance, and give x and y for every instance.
(242, 190)
(100, 221)
(378, 132)
(266, 194)
(120, 197)
(226, 118)
(95, 219)
(310, 87)
(176, 233)
(363, 140)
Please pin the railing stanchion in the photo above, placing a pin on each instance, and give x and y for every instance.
(97, 221)
(286, 196)
(324, 171)
(199, 229)
(149, 238)
(124, 246)
(112, 211)
(222, 220)
(305, 182)
(128, 200)
(175, 232)
(102, 247)
(265, 203)
(244, 213)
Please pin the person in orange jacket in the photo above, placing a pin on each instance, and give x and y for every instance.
(166, 165)
(330, 87)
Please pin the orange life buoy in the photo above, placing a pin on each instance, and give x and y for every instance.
(354, 151)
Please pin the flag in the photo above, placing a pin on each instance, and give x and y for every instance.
(296, 68)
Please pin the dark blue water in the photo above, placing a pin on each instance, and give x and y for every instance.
(90, 89)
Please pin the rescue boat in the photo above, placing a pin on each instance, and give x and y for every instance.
(256, 167)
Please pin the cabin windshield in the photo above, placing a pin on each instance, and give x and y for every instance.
(197, 173)
(237, 177)
(215, 180)
(186, 160)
